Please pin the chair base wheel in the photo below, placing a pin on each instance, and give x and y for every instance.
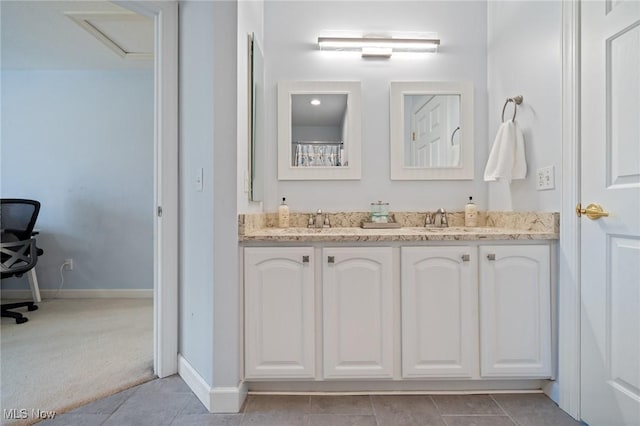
(17, 316)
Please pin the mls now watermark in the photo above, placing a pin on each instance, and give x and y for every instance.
(24, 413)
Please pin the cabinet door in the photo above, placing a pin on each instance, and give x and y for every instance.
(279, 312)
(439, 312)
(358, 312)
(515, 311)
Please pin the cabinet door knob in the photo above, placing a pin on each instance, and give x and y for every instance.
(466, 257)
(331, 259)
(491, 256)
(305, 259)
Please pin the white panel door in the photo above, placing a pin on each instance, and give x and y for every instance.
(279, 312)
(610, 246)
(429, 123)
(439, 312)
(515, 311)
(358, 312)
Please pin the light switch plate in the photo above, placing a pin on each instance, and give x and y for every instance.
(199, 179)
(545, 178)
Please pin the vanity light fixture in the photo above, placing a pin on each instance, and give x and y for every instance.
(315, 102)
(378, 46)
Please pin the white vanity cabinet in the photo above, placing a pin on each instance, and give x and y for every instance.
(358, 330)
(439, 312)
(461, 310)
(279, 312)
(515, 311)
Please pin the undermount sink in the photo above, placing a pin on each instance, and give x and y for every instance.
(360, 231)
(296, 230)
(461, 229)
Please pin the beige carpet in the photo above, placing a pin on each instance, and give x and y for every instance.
(73, 351)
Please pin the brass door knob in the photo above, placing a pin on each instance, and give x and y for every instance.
(593, 211)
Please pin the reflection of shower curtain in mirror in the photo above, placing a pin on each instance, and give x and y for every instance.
(317, 154)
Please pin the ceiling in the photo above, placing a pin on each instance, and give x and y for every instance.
(330, 112)
(56, 35)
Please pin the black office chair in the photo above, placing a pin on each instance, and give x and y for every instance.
(18, 250)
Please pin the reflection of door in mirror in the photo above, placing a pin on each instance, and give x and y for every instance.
(431, 128)
(318, 130)
(431, 124)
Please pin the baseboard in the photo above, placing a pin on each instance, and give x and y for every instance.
(196, 383)
(228, 399)
(215, 399)
(412, 386)
(81, 294)
(552, 390)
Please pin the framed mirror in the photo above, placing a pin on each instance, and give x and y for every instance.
(255, 164)
(319, 130)
(431, 126)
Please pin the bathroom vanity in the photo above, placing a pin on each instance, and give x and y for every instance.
(380, 309)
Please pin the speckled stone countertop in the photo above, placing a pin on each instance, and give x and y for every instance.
(345, 227)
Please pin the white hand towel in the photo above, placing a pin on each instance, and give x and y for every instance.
(507, 159)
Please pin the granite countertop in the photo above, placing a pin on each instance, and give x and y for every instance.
(494, 226)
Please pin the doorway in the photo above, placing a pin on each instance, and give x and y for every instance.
(165, 16)
(163, 202)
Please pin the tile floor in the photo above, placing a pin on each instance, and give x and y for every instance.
(170, 402)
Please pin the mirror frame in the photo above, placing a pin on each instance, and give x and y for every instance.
(396, 115)
(354, 121)
(255, 128)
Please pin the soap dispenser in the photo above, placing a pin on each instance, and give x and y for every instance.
(470, 213)
(283, 214)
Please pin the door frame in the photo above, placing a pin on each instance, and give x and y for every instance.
(165, 244)
(568, 392)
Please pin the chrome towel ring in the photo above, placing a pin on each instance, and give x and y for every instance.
(517, 100)
(453, 134)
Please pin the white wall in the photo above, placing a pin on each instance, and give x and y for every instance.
(209, 139)
(291, 53)
(316, 133)
(196, 233)
(227, 288)
(526, 59)
(81, 142)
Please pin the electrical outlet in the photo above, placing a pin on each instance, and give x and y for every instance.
(68, 264)
(545, 178)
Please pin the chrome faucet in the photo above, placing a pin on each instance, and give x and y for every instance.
(319, 222)
(440, 218)
(428, 220)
